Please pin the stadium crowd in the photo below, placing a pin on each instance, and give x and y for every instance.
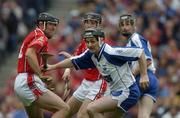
(158, 21)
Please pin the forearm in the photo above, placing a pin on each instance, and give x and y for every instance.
(142, 65)
(33, 62)
(67, 63)
(136, 70)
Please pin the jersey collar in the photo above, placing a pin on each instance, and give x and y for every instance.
(101, 50)
(40, 30)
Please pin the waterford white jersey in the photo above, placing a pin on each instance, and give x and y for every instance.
(137, 40)
(112, 63)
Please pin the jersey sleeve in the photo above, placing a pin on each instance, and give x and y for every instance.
(124, 53)
(139, 41)
(39, 43)
(83, 61)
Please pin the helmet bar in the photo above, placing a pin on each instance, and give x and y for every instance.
(93, 32)
(92, 16)
(127, 17)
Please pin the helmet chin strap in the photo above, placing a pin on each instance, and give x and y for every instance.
(44, 24)
(100, 41)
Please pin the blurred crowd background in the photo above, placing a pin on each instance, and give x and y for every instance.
(157, 20)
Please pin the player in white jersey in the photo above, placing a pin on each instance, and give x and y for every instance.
(113, 65)
(148, 97)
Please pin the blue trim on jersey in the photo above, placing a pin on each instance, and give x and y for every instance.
(116, 93)
(84, 61)
(144, 46)
(132, 98)
(101, 50)
(75, 64)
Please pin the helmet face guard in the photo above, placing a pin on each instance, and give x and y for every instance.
(127, 18)
(48, 18)
(94, 33)
(92, 16)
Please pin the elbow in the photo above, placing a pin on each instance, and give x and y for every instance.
(27, 54)
(149, 62)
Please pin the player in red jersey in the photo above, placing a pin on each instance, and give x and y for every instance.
(92, 86)
(28, 85)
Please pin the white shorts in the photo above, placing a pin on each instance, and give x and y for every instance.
(28, 87)
(91, 90)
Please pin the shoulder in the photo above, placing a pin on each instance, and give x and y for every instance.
(138, 37)
(135, 37)
(108, 48)
(138, 40)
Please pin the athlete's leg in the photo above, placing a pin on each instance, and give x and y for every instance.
(50, 101)
(96, 108)
(74, 105)
(82, 111)
(113, 114)
(34, 95)
(34, 111)
(79, 96)
(97, 90)
(145, 106)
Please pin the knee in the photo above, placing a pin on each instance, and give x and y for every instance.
(90, 110)
(63, 107)
(66, 107)
(143, 115)
(82, 114)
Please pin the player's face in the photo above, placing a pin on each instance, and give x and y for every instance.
(90, 24)
(126, 28)
(50, 29)
(92, 44)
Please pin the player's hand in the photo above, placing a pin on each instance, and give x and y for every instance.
(46, 78)
(48, 81)
(144, 82)
(66, 75)
(66, 54)
(66, 78)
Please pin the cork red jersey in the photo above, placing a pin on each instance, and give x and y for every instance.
(36, 39)
(91, 74)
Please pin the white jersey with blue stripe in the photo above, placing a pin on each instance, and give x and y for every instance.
(137, 40)
(112, 63)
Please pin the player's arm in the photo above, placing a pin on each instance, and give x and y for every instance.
(67, 63)
(66, 74)
(32, 60)
(82, 61)
(136, 69)
(143, 44)
(144, 80)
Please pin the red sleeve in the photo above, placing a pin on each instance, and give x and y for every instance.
(39, 43)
